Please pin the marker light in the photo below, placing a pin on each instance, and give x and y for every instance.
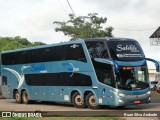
(137, 102)
(127, 68)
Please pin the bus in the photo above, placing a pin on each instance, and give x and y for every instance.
(85, 72)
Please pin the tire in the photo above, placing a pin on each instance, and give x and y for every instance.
(25, 99)
(91, 101)
(78, 101)
(17, 97)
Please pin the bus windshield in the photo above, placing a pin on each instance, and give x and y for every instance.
(125, 50)
(132, 78)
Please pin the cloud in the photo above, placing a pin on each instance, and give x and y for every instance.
(34, 19)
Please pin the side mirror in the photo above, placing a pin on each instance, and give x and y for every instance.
(157, 64)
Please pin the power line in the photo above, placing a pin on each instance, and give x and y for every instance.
(70, 7)
(63, 7)
(133, 29)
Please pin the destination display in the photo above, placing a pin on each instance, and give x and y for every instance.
(125, 50)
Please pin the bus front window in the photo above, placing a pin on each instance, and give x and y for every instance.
(132, 78)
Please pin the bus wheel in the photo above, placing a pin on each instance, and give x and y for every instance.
(17, 97)
(78, 101)
(91, 101)
(25, 97)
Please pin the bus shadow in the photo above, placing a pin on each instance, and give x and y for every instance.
(52, 103)
(129, 107)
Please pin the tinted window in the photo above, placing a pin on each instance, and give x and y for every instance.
(4, 80)
(125, 50)
(58, 79)
(56, 53)
(104, 76)
(104, 73)
(97, 49)
(154, 82)
(75, 52)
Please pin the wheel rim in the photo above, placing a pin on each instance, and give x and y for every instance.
(92, 100)
(79, 100)
(25, 97)
(17, 96)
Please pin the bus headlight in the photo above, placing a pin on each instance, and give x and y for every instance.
(121, 94)
(149, 92)
(117, 93)
(120, 101)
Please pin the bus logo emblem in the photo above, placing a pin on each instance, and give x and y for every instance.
(74, 46)
(20, 77)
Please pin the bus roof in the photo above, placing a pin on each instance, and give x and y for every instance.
(109, 39)
(71, 42)
(44, 46)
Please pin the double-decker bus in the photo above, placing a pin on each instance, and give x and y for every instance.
(90, 72)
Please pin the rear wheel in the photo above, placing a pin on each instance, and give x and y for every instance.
(17, 97)
(78, 101)
(25, 98)
(91, 101)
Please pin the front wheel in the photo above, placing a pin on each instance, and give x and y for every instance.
(91, 101)
(25, 98)
(78, 101)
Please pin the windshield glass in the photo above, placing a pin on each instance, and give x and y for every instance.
(132, 78)
(97, 49)
(125, 50)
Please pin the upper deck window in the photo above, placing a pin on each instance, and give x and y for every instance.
(125, 50)
(97, 49)
(54, 53)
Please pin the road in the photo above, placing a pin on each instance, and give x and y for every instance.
(155, 97)
(64, 109)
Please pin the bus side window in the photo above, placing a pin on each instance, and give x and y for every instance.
(97, 49)
(104, 73)
(4, 80)
(107, 77)
(104, 76)
(75, 52)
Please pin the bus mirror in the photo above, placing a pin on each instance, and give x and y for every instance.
(157, 64)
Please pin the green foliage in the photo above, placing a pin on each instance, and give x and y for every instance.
(84, 26)
(11, 43)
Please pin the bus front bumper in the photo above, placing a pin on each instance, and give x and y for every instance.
(123, 100)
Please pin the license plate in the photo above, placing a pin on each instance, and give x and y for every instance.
(137, 102)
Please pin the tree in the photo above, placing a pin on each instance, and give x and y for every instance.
(37, 43)
(84, 26)
(11, 43)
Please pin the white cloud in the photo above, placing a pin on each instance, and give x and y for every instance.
(34, 19)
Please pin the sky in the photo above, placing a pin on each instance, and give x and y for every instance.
(33, 19)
